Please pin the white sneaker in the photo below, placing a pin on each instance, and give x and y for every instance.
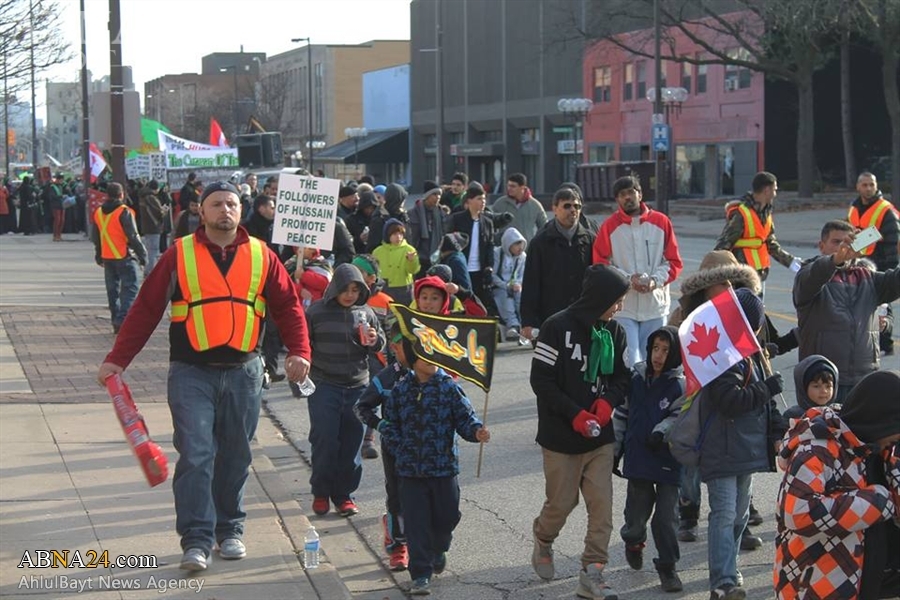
(591, 584)
(194, 559)
(232, 549)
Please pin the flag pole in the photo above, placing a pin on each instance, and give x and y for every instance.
(487, 396)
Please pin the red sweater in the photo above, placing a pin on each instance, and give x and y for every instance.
(161, 286)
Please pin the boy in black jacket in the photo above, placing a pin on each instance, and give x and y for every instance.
(579, 377)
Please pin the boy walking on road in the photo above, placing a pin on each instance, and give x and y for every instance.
(579, 377)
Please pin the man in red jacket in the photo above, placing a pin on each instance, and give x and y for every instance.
(221, 282)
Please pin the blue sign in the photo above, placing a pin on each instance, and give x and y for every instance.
(660, 137)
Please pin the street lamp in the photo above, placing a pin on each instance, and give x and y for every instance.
(576, 109)
(355, 133)
(234, 70)
(309, 104)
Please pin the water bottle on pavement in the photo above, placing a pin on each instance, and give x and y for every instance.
(311, 549)
(593, 428)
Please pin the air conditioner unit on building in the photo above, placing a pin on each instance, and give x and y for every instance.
(731, 85)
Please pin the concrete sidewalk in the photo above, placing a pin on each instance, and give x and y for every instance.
(68, 480)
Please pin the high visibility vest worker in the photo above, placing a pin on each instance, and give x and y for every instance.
(873, 215)
(113, 241)
(221, 310)
(753, 240)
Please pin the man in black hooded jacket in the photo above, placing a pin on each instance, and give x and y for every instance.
(579, 376)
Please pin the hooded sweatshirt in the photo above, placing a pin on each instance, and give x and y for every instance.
(508, 269)
(338, 357)
(437, 283)
(394, 196)
(807, 365)
(560, 363)
(651, 401)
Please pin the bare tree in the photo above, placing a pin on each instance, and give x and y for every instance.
(17, 38)
(273, 107)
(881, 20)
(786, 39)
(847, 112)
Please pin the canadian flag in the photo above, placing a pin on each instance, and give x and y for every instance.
(714, 337)
(97, 162)
(216, 135)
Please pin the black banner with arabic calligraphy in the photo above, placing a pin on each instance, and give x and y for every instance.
(456, 343)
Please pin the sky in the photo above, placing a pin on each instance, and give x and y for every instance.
(160, 37)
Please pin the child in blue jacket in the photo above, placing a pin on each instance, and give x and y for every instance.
(420, 421)
(653, 474)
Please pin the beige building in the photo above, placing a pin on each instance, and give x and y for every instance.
(337, 92)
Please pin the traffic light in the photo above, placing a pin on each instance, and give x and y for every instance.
(11, 137)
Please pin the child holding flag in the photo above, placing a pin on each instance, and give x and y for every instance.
(743, 425)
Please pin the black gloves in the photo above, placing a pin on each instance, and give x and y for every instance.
(775, 383)
(655, 442)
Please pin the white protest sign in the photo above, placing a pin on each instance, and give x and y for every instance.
(305, 211)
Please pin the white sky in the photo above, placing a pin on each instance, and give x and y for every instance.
(160, 37)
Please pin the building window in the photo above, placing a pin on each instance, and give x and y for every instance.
(602, 82)
(431, 140)
(726, 170)
(455, 137)
(493, 135)
(601, 153)
(663, 67)
(738, 77)
(641, 68)
(701, 79)
(628, 82)
(687, 70)
(690, 170)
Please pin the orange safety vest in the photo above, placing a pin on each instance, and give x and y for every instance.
(221, 310)
(873, 215)
(753, 240)
(113, 241)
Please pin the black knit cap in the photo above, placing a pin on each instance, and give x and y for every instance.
(872, 408)
(218, 186)
(752, 307)
(454, 242)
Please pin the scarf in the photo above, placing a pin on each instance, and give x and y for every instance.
(602, 354)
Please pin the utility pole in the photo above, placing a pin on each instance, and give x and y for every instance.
(6, 115)
(85, 116)
(117, 94)
(439, 92)
(34, 140)
(661, 187)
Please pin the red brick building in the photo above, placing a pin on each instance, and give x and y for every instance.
(718, 133)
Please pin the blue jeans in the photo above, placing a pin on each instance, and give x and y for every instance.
(729, 509)
(151, 242)
(336, 436)
(214, 412)
(121, 287)
(690, 486)
(636, 335)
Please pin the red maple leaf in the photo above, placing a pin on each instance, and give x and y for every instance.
(705, 343)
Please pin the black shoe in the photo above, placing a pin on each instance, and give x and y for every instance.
(755, 518)
(669, 579)
(727, 592)
(634, 554)
(750, 541)
(687, 530)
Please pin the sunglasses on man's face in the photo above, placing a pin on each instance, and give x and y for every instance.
(571, 205)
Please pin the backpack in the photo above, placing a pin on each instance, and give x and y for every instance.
(686, 436)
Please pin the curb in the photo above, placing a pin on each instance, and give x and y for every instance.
(325, 580)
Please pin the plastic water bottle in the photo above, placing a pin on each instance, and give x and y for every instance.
(307, 387)
(593, 428)
(311, 549)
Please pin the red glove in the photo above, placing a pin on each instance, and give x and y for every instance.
(582, 421)
(602, 411)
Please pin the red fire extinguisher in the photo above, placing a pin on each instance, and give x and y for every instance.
(150, 456)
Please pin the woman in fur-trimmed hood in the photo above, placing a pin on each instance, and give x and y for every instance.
(718, 268)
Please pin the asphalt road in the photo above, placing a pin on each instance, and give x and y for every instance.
(490, 556)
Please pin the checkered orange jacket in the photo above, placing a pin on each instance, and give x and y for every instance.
(824, 506)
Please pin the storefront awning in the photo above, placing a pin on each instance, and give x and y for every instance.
(385, 146)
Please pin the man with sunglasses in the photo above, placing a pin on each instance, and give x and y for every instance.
(557, 258)
(639, 243)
